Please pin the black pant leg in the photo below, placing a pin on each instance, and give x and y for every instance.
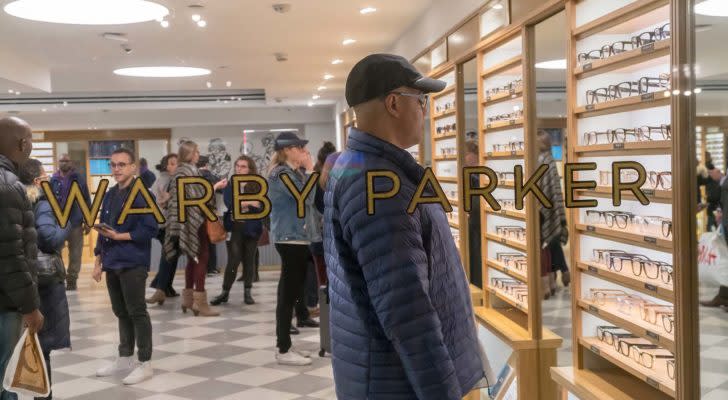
(290, 289)
(234, 248)
(133, 282)
(249, 251)
(118, 305)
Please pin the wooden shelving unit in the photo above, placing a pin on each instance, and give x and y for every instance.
(601, 372)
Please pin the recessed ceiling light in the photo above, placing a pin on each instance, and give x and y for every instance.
(65, 104)
(315, 97)
(347, 42)
(698, 90)
(675, 92)
(688, 93)
(208, 84)
(337, 61)
(162, 72)
(165, 24)
(43, 110)
(284, 130)
(11, 91)
(225, 101)
(552, 64)
(310, 103)
(712, 8)
(202, 23)
(328, 76)
(17, 93)
(498, 6)
(196, 17)
(320, 88)
(367, 10)
(228, 83)
(87, 12)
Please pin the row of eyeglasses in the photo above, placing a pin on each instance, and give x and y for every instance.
(644, 85)
(635, 42)
(645, 224)
(517, 233)
(640, 265)
(511, 86)
(625, 135)
(640, 350)
(511, 287)
(655, 179)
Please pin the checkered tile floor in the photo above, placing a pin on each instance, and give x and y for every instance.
(713, 340)
(229, 357)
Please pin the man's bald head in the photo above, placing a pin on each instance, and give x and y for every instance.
(16, 139)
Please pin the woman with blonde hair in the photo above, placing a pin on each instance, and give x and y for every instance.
(190, 238)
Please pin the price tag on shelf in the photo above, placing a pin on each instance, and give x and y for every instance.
(650, 240)
(504, 212)
(595, 349)
(651, 288)
(593, 269)
(587, 67)
(512, 91)
(590, 107)
(652, 335)
(591, 228)
(648, 192)
(513, 152)
(487, 98)
(648, 48)
(618, 146)
(648, 97)
(512, 122)
(489, 154)
(593, 309)
(652, 382)
(503, 240)
(488, 126)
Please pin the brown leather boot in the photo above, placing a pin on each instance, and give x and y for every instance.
(158, 297)
(721, 299)
(566, 278)
(200, 306)
(545, 287)
(187, 300)
(552, 283)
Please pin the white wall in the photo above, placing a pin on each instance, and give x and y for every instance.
(433, 24)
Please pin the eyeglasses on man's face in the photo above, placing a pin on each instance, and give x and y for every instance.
(421, 97)
(120, 165)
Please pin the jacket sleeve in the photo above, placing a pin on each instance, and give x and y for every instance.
(50, 235)
(389, 248)
(16, 279)
(84, 189)
(227, 197)
(145, 227)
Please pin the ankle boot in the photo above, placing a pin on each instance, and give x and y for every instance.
(187, 299)
(221, 298)
(552, 283)
(566, 278)
(158, 297)
(545, 287)
(721, 299)
(248, 296)
(201, 307)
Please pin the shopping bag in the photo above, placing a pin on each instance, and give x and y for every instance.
(713, 258)
(26, 372)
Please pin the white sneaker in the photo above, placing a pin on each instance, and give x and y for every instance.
(140, 374)
(301, 352)
(292, 358)
(121, 364)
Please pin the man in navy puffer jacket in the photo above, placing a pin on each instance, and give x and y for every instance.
(402, 325)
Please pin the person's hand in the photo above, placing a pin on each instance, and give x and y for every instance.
(308, 162)
(220, 184)
(86, 229)
(109, 233)
(718, 215)
(96, 274)
(33, 321)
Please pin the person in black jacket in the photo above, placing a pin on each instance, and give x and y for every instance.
(56, 334)
(203, 165)
(244, 235)
(19, 302)
(145, 174)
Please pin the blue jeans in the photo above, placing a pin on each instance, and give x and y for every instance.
(11, 327)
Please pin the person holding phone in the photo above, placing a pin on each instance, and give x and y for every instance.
(123, 252)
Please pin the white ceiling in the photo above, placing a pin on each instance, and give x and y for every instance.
(237, 45)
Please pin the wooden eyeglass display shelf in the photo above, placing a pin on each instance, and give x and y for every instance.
(625, 302)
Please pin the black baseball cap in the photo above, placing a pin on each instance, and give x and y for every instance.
(288, 139)
(378, 74)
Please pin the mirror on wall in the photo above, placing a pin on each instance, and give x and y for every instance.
(551, 108)
(711, 125)
(470, 159)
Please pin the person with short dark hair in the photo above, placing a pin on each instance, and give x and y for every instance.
(19, 301)
(203, 165)
(145, 174)
(123, 252)
(61, 182)
(402, 324)
(56, 333)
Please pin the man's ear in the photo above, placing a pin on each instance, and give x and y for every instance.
(391, 104)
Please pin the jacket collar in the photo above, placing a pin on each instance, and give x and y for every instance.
(368, 143)
(5, 163)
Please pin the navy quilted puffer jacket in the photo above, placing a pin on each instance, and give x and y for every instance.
(402, 325)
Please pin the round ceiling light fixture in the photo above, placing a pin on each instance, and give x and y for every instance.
(712, 8)
(552, 64)
(162, 72)
(87, 12)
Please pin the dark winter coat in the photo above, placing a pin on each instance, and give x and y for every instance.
(18, 249)
(402, 324)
